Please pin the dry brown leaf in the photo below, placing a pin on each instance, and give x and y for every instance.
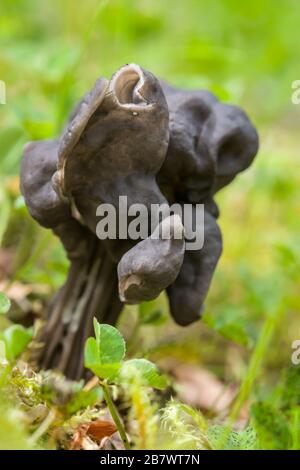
(100, 429)
(202, 389)
(96, 430)
(17, 291)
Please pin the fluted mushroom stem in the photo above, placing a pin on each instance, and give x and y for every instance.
(91, 290)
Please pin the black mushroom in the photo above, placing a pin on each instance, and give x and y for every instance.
(137, 137)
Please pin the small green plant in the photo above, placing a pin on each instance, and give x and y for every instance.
(191, 430)
(104, 356)
(15, 338)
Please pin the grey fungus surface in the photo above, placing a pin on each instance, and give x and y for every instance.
(117, 147)
(153, 264)
(139, 137)
(188, 292)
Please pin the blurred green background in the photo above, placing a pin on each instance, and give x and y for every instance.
(246, 53)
